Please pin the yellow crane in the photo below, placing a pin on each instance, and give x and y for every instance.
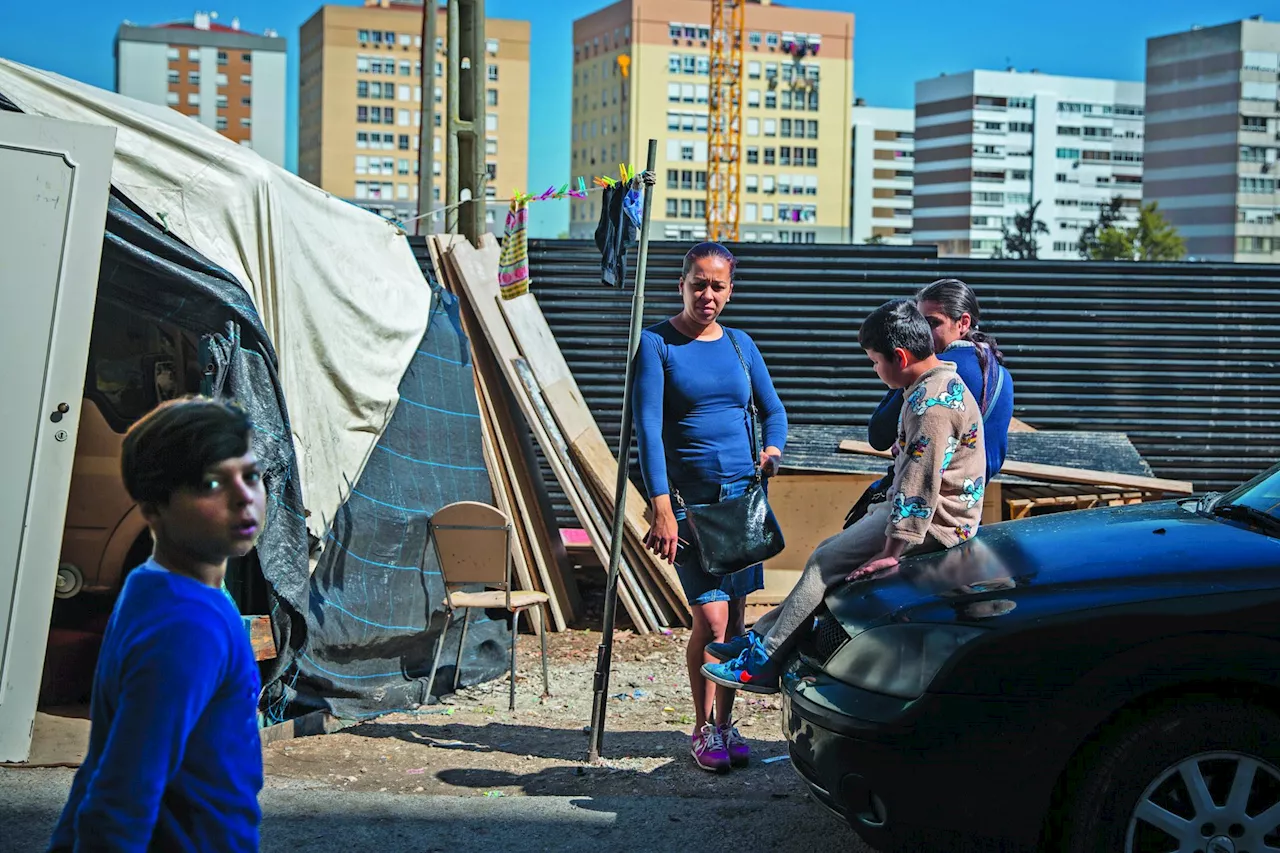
(724, 121)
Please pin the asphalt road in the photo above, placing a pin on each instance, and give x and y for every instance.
(319, 818)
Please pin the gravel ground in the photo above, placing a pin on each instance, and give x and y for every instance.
(474, 746)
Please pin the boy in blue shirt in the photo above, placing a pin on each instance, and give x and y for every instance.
(175, 758)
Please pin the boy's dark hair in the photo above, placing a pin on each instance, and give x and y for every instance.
(897, 324)
(175, 443)
(709, 249)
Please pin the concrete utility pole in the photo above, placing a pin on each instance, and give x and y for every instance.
(427, 130)
(464, 123)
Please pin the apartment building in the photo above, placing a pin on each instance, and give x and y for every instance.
(641, 69)
(883, 157)
(1213, 137)
(360, 106)
(223, 77)
(989, 144)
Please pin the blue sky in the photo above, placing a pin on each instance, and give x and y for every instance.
(895, 45)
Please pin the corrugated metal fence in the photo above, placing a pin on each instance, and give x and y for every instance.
(1181, 357)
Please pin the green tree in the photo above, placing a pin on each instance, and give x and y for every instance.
(1021, 243)
(1151, 238)
(1089, 245)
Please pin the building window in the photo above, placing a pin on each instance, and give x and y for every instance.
(753, 39)
(770, 156)
(673, 179)
(770, 100)
(193, 78)
(363, 35)
(770, 127)
(686, 208)
(193, 99)
(811, 157)
(1068, 153)
(491, 146)
(246, 102)
(686, 179)
(766, 212)
(752, 183)
(686, 151)
(362, 88)
(246, 122)
(491, 122)
(753, 155)
(402, 117)
(246, 57)
(221, 80)
(784, 156)
(753, 97)
(362, 139)
(172, 98)
(771, 39)
(491, 73)
(193, 54)
(491, 46)
(672, 208)
(222, 102)
(174, 55)
(175, 79)
(673, 92)
(767, 185)
(222, 57)
(246, 79)
(362, 114)
(402, 142)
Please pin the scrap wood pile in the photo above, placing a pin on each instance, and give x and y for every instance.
(517, 360)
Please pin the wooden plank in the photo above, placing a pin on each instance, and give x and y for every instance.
(600, 467)
(498, 455)
(504, 468)
(261, 637)
(474, 270)
(1057, 473)
(599, 527)
(529, 328)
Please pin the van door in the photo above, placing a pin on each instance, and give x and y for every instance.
(55, 177)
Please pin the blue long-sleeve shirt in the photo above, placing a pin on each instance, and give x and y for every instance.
(691, 415)
(882, 430)
(175, 757)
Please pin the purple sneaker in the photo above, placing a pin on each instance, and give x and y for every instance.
(707, 749)
(736, 745)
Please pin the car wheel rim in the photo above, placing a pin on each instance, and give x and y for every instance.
(1214, 802)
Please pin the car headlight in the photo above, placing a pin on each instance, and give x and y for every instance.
(898, 660)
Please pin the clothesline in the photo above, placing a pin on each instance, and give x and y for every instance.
(449, 207)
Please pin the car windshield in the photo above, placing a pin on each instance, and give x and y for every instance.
(1261, 494)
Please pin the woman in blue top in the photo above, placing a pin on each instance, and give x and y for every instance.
(953, 314)
(692, 424)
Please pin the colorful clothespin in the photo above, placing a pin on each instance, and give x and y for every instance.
(560, 193)
(550, 191)
(582, 185)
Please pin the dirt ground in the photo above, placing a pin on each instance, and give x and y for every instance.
(473, 746)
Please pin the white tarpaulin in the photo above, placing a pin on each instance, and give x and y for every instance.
(337, 287)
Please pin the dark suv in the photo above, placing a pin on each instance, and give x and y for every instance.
(1091, 681)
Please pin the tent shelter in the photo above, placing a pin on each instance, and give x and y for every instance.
(314, 315)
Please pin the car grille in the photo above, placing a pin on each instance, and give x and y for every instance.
(828, 636)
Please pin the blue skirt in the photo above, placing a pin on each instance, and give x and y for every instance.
(701, 587)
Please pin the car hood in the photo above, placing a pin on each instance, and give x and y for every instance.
(1068, 561)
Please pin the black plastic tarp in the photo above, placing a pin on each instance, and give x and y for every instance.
(355, 637)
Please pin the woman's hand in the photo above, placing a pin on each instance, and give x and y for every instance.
(663, 537)
(770, 462)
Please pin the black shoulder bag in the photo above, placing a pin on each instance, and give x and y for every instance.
(737, 533)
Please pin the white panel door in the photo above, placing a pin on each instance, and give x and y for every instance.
(54, 181)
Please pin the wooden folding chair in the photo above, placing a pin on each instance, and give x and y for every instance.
(473, 546)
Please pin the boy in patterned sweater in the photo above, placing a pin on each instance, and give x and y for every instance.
(935, 501)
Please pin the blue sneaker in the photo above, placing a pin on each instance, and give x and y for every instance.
(751, 671)
(730, 649)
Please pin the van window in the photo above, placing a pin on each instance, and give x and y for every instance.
(134, 365)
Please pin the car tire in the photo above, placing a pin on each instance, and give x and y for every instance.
(1108, 780)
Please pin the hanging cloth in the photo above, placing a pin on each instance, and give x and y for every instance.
(513, 262)
(614, 233)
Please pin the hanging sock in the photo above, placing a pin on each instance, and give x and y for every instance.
(513, 262)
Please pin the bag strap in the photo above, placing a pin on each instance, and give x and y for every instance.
(751, 409)
(995, 395)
